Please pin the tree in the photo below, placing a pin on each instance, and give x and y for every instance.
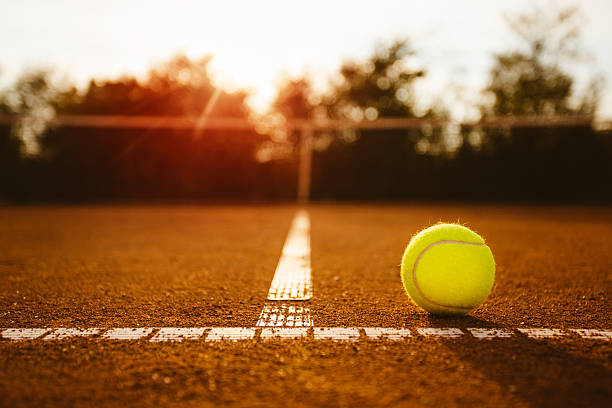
(373, 163)
(531, 80)
(33, 97)
(178, 87)
(380, 86)
(293, 99)
(101, 163)
(534, 79)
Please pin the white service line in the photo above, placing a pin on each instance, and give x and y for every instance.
(178, 334)
(336, 333)
(292, 280)
(386, 333)
(490, 333)
(217, 334)
(269, 333)
(438, 332)
(231, 333)
(128, 333)
(22, 334)
(594, 334)
(541, 333)
(274, 315)
(64, 333)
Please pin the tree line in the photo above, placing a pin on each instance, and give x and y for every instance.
(40, 161)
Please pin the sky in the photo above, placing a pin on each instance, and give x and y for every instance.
(257, 43)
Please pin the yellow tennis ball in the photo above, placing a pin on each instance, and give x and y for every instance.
(448, 269)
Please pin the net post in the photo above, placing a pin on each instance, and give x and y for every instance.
(305, 164)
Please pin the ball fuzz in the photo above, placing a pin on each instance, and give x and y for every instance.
(448, 269)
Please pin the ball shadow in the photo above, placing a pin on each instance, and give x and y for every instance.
(541, 372)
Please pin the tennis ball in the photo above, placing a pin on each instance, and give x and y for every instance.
(448, 269)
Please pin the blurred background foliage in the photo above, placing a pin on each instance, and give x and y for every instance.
(42, 162)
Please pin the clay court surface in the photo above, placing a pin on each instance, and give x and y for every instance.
(211, 267)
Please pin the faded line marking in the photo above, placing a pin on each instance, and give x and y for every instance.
(490, 333)
(541, 333)
(230, 333)
(336, 333)
(386, 333)
(320, 333)
(22, 334)
(128, 333)
(269, 333)
(292, 278)
(594, 334)
(178, 334)
(449, 332)
(64, 333)
(274, 315)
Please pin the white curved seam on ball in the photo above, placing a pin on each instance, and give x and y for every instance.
(416, 263)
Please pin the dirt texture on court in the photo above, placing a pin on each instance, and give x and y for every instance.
(202, 266)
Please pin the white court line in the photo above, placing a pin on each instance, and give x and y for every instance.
(22, 334)
(292, 278)
(230, 333)
(490, 333)
(177, 334)
(274, 315)
(438, 332)
(541, 333)
(386, 333)
(128, 333)
(594, 334)
(65, 333)
(336, 333)
(268, 333)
